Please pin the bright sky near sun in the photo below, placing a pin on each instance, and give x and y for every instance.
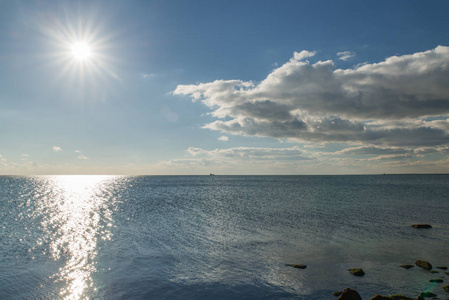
(228, 87)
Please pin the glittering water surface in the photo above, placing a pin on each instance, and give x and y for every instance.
(225, 237)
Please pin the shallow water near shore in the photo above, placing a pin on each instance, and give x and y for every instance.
(220, 237)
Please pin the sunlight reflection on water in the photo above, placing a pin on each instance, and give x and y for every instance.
(76, 211)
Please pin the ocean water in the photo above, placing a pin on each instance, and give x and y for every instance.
(220, 237)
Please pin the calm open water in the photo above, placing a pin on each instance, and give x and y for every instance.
(219, 237)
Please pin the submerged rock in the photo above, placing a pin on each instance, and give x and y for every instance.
(441, 268)
(401, 297)
(434, 272)
(380, 297)
(446, 288)
(297, 266)
(436, 280)
(423, 264)
(349, 294)
(427, 294)
(422, 226)
(447, 273)
(392, 297)
(407, 266)
(356, 271)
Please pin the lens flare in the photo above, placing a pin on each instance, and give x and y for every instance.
(81, 51)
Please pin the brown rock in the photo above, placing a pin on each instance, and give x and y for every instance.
(297, 266)
(407, 266)
(422, 226)
(349, 294)
(380, 297)
(423, 264)
(356, 272)
(446, 288)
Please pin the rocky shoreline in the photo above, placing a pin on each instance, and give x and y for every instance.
(350, 294)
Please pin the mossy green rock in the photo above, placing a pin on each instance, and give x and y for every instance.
(356, 271)
(337, 293)
(423, 264)
(446, 288)
(427, 294)
(436, 280)
(434, 272)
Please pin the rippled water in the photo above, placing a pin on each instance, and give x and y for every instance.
(225, 237)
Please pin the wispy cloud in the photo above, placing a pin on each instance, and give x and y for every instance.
(223, 138)
(83, 157)
(345, 55)
(57, 148)
(253, 153)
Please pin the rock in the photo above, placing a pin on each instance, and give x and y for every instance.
(380, 297)
(427, 294)
(441, 268)
(392, 297)
(447, 273)
(337, 293)
(422, 226)
(434, 272)
(407, 266)
(446, 288)
(400, 297)
(356, 271)
(297, 266)
(423, 264)
(436, 280)
(349, 294)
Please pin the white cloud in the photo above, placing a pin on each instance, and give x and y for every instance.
(384, 104)
(57, 149)
(345, 55)
(83, 157)
(77, 151)
(253, 153)
(373, 150)
(223, 138)
(303, 54)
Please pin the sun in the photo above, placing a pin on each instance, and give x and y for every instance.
(81, 51)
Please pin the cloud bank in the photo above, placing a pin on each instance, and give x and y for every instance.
(400, 102)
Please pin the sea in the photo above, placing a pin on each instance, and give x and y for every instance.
(221, 237)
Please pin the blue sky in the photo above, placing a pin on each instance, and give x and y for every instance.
(229, 87)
